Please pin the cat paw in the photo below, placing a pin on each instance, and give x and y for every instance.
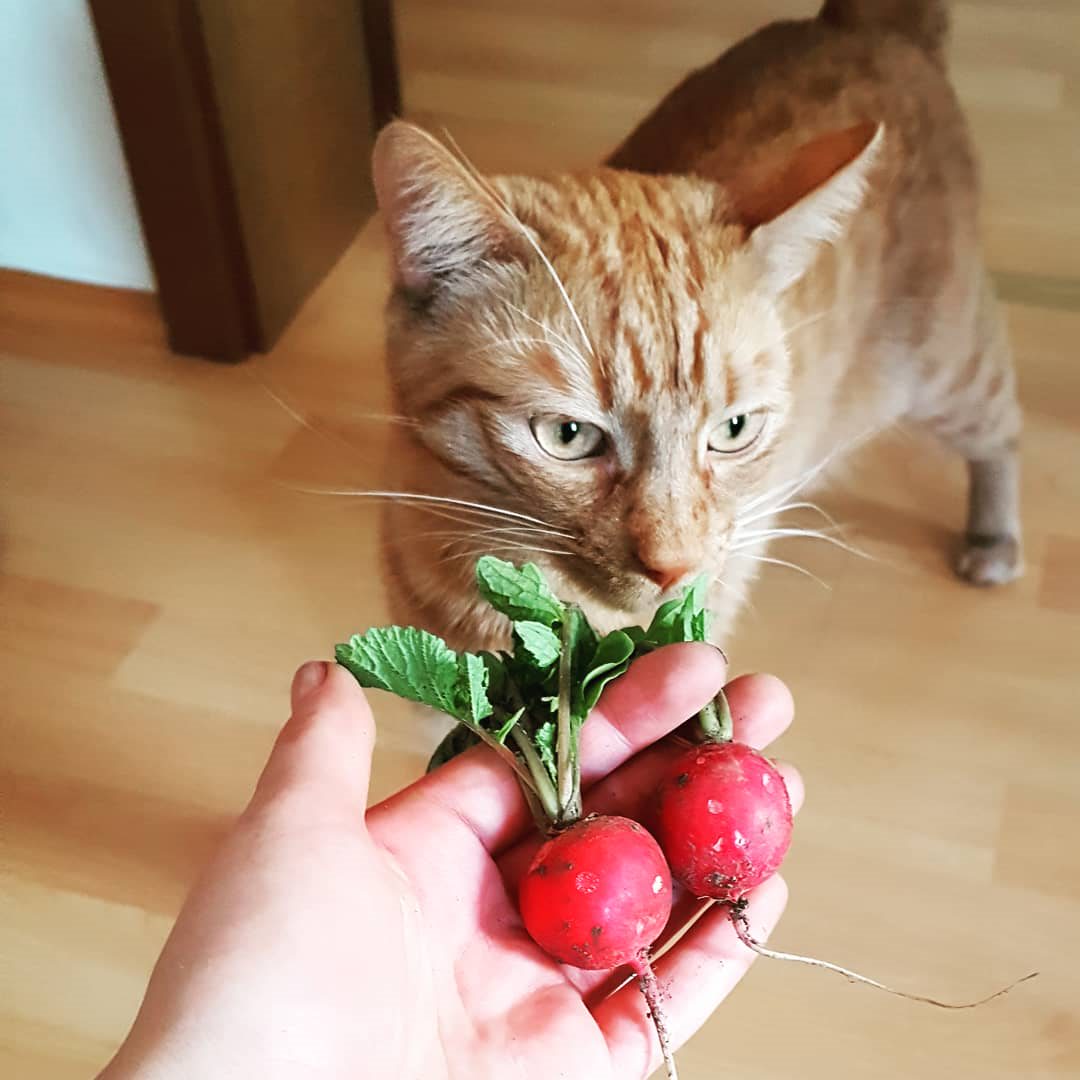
(990, 560)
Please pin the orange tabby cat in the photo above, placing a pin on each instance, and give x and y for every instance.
(640, 365)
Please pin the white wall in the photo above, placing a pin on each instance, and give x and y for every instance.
(66, 207)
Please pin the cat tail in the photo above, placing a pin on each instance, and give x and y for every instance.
(924, 21)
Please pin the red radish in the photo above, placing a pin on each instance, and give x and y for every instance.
(723, 819)
(597, 895)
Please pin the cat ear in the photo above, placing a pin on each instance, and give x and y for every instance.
(441, 220)
(791, 213)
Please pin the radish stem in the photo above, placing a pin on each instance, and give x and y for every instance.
(715, 720)
(540, 783)
(566, 758)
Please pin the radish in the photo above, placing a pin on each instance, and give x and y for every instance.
(723, 819)
(722, 812)
(597, 895)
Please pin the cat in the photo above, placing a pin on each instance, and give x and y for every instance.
(639, 366)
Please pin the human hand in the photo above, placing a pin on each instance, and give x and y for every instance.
(320, 943)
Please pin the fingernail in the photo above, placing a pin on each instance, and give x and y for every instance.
(308, 679)
(721, 652)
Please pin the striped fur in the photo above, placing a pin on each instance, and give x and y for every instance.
(786, 236)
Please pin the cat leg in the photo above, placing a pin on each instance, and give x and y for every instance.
(991, 554)
(979, 417)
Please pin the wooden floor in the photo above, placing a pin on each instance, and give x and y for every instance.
(160, 577)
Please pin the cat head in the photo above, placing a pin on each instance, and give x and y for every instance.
(604, 351)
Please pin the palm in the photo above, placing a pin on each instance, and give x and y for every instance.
(493, 995)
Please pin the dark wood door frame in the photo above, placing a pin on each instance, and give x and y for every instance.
(212, 278)
(381, 37)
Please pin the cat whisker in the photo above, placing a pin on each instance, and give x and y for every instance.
(783, 562)
(574, 351)
(304, 421)
(504, 549)
(740, 594)
(742, 538)
(294, 413)
(751, 539)
(470, 523)
(386, 418)
(790, 488)
(808, 321)
(784, 336)
(418, 497)
(511, 343)
(480, 528)
(784, 509)
(530, 239)
(523, 533)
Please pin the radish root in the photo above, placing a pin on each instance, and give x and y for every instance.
(742, 928)
(650, 988)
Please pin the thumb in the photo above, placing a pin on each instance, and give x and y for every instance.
(322, 757)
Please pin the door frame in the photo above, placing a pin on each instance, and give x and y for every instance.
(162, 87)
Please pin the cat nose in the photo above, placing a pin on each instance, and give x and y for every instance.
(667, 577)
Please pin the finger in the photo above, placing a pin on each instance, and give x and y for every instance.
(668, 686)
(793, 781)
(762, 708)
(696, 976)
(654, 697)
(321, 761)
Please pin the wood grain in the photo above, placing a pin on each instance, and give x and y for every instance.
(161, 576)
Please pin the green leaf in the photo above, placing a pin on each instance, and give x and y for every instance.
(519, 593)
(472, 699)
(611, 659)
(697, 598)
(505, 730)
(682, 619)
(662, 628)
(408, 662)
(545, 738)
(539, 643)
(582, 637)
(420, 667)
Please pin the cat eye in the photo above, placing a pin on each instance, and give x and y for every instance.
(567, 439)
(736, 433)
